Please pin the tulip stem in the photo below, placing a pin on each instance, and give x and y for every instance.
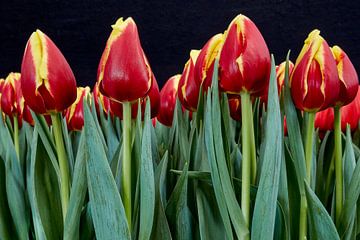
(126, 164)
(253, 147)
(63, 162)
(16, 137)
(338, 165)
(246, 155)
(303, 216)
(309, 145)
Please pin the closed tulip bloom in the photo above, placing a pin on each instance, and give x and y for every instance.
(350, 114)
(28, 117)
(12, 101)
(100, 99)
(2, 82)
(204, 66)
(75, 113)
(324, 120)
(47, 81)
(124, 73)
(188, 87)
(347, 75)
(117, 108)
(314, 81)
(168, 96)
(244, 63)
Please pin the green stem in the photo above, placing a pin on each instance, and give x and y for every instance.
(16, 137)
(63, 162)
(309, 145)
(338, 165)
(246, 155)
(126, 164)
(252, 148)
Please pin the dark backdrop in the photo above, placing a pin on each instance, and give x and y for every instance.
(169, 29)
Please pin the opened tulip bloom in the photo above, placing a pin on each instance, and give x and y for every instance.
(168, 96)
(47, 81)
(75, 113)
(188, 89)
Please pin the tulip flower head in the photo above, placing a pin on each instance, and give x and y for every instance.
(188, 87)
(168, 96)
(350, 114)
(244, 63)
(204, 66)
(124, 74)
(12, 101)
(100, 99)
(235, 106)
(75, 113)
(324, 120)
(314, 81)
(347, 75)
(47, 81)
(2, 82)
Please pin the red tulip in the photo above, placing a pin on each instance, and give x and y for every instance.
(314, 81)
(324, 120)
(188, 87)
(124, 74)
(117, 109)
(75, 113)
(168, 100)
(12, 101)
(204, 66)
(47, 82)
(244, 63)
(350, 114)
(348, 77)
(100, 99)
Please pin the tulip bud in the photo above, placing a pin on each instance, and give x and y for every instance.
(168, 100)
(117, 108)
(47, 81)
(347, 75)
(204, 66)
(188, 87)
(100, 99)
(75, 113)
(235, 106)
(244, 63)
(324, 120)
(124, 74)
(350, 114)
(314, 81)
(12, 101)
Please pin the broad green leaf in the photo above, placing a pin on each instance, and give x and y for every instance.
(147, 184)
(321, 224)
(44, 193)
(77, 194)
(161, 228)
(264, 215)
(107, 210)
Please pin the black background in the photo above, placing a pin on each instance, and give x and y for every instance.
(169, 29)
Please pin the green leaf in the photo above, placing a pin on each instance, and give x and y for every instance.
(161, 228)
(7, 228)
(107, 210)
(44, 193)
(147, 185)
(219, 162)
(265, 204)
(177, 211)
(352, 192)
(77, 194)
(86, 224)
(321, 224)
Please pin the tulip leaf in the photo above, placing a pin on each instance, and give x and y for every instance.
(161, 228)
(321, 224)
(86, 224)
(352, 192)
(15, 186)
(68, 146)
(177, 210)
(107, 210)
(7, 228)
(77, 194)
(265, 204)
(44, 193)
(147, 184)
